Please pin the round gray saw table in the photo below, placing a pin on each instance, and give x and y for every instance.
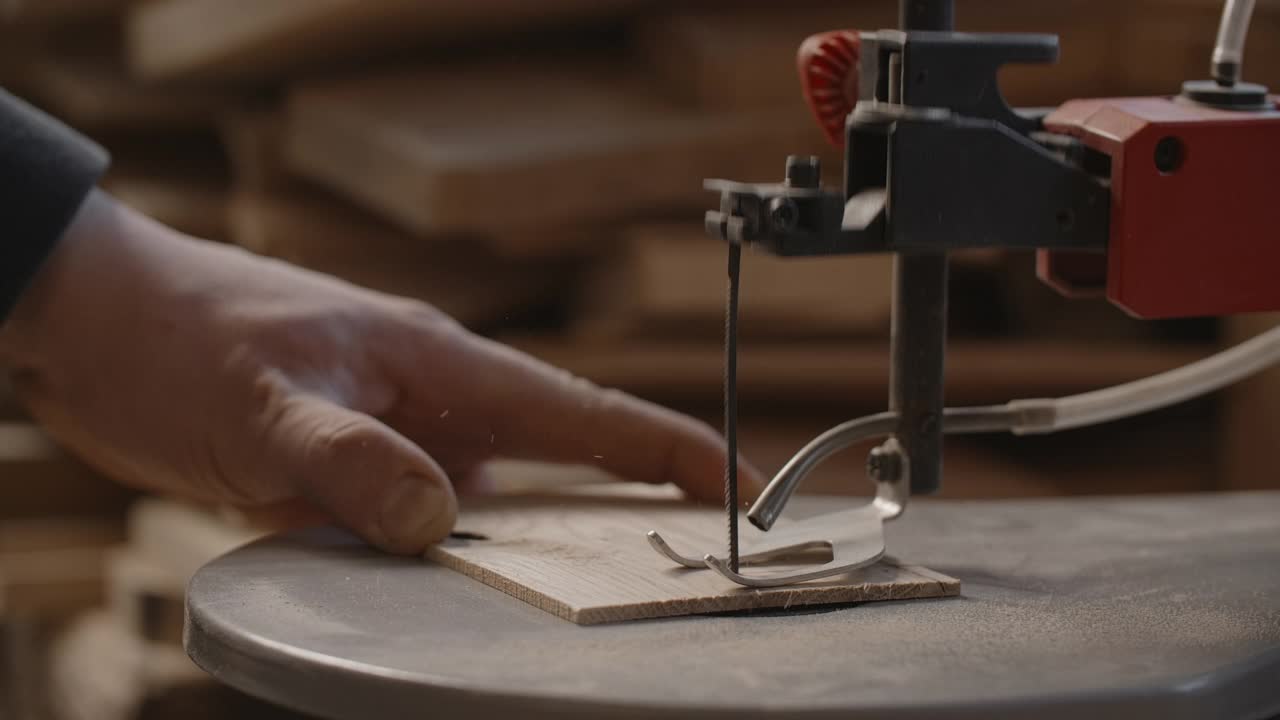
(1156, 606)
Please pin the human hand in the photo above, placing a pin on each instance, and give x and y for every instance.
(200, 370)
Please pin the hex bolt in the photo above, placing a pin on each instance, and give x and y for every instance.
(804, 171)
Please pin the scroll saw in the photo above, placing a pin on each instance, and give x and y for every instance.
(1116, 607)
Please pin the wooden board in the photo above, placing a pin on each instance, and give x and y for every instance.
(51, 568)
(846, 374)
(91, 91)
(1177, 37)
(179, 537)
(57, 11)
(254, 138)
(531, 145)
(38, 478)
(745, 58)
(259, 40)
(330, 236)
(193, 204)
(662, 283)
(584, 557)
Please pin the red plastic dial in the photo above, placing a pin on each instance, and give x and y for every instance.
(828, 65)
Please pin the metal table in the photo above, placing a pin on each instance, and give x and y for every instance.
(1163, 606)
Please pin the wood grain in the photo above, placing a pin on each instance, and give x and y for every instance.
(534, 145)
(583, 557)
(260, 40)
(663, 282)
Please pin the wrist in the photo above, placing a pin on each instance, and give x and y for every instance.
(88, 277)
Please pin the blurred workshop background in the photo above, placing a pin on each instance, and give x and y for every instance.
(535, 168)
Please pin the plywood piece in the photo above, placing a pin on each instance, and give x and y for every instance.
(659, 284)
(259, 40)
(327, 235)
(531, 145)
(584, 557)
(844, 374)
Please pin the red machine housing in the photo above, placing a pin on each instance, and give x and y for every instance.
(1194, 200)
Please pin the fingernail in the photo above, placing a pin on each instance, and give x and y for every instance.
(416, 514)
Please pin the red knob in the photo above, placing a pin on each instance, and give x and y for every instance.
(828, 65)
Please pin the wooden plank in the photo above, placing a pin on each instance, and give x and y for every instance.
(1174, 40)
(745, 58)
(664, 282)
(259, 40)
(334, 238)
(90, 90)
(51, 568)
(253, 139)
(844, 374)
(51, 583)
(193, 204)
(38, 478)
(180, 537)
(534, 145)
(28, 12)
(584, 557)
(147, 597)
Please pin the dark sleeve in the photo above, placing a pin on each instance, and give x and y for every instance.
(46, 172)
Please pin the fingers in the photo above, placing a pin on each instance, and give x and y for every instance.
(363, 473)
(538, 412)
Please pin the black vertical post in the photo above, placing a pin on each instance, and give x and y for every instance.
(919, 328)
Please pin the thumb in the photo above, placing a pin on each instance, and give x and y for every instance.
(364, 474)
